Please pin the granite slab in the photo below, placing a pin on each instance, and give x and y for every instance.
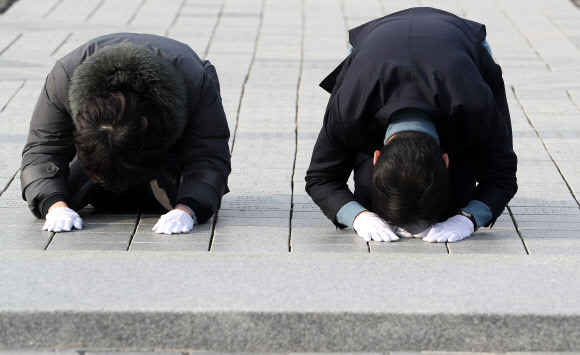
(548, 233)
(288, 302)
(408, 246)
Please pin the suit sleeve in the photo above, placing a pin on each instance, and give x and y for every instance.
(205, 154)
(330, 167)
(496, 167)
(49, 147)
(496, 172)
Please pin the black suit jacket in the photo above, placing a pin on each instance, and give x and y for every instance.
(426, 59)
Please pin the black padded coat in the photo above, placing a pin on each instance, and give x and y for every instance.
(186, 90)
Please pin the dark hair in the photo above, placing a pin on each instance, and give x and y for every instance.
(118, 139)
(410, 181)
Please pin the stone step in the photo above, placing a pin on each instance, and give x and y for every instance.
(283, 302)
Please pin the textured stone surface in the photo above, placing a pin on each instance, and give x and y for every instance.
(549, 233)
(267, 202)
(553, 246)
(491, 237)
(288, 302)
(23, 244)
(410, 246)
(66, 245)
(169, 246)
(252, 246)
(551, 225)
(39, 352)
(487, 249)
(351, 239)
(330, 248)
(133, 353)
(271, 56)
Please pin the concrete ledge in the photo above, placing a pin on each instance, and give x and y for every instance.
(288, 302)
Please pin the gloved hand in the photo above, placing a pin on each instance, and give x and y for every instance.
(404, 234)
(372, 227)
(174, 222)
(454, 229)
(62, 219)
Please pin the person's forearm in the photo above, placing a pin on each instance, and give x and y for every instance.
(57, 204)
(480, 212)
(348, 213)
(185, 209)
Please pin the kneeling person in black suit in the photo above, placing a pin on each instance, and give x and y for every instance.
(421, 99)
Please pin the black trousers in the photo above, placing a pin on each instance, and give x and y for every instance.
(462, 180)
(156, 197)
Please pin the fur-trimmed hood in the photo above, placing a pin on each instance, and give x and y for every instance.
(127, 66)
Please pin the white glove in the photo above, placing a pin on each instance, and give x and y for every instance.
(372, 227)
(455, 228)
(62, 219)
(174, 222)
(404, 234)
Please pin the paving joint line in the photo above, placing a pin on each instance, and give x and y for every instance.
(577, 104)
(52, 8)
(9, 182)
(10, 100)
(59, 46)
(137, 222)
(564, 32)
(206, 51)
(213, 225)
(214, 29)
(298, 84)
(464, 12)
(52, 235)
(257, 39)
(544, 145)
(136, 12)
(258, 32)
(382, 7)
(94, 11)
(345, 21)
(177, 14)
(11, 43)
(518, 229)
(513, 22)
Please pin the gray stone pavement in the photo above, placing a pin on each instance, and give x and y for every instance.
(270, 56)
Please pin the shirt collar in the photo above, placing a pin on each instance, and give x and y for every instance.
(413, 120)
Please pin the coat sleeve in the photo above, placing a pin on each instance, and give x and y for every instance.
(330, 167)
(49, 148)
(205, 154)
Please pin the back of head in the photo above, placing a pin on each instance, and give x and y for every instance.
(410, 181)
(117, 140)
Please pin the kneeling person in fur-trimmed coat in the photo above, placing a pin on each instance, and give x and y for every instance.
(128, 121)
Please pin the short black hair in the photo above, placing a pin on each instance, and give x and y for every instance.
(410, 181)
(118, 139)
